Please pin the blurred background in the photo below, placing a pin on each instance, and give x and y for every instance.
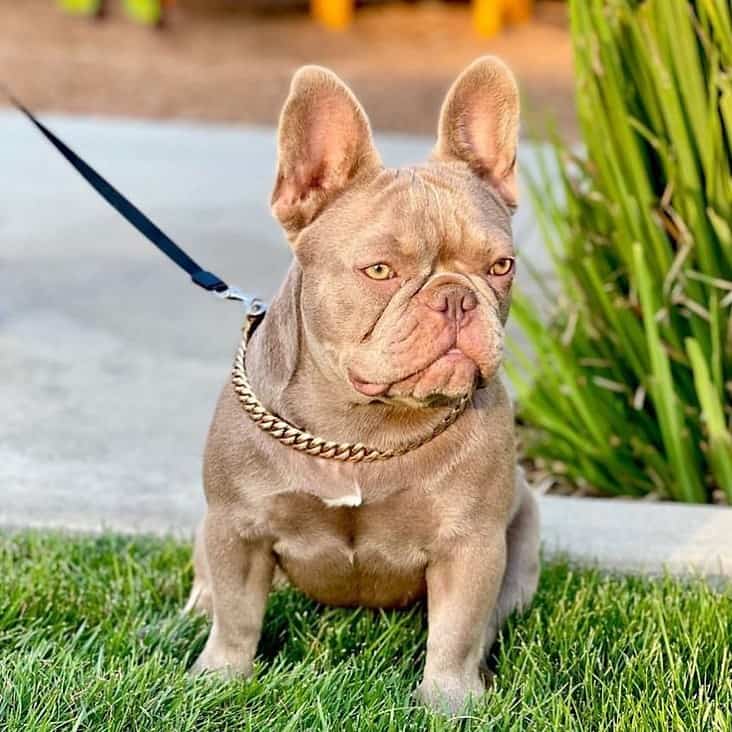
(230, 60)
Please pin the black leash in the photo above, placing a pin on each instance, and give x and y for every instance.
(207, 280)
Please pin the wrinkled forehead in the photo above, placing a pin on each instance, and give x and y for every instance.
(439, 205)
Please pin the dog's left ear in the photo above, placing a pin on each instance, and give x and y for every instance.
(479, 125)
(324, 144)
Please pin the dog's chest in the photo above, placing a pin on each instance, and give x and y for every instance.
(373, 555)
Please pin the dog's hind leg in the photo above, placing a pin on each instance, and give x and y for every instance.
(199, 601)
(522, 562)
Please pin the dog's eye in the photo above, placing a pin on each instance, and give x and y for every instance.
(379, 271)
(501, 267)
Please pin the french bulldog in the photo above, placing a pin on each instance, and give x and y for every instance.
(393, 308)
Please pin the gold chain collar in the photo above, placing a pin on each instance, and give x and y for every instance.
(302, 441)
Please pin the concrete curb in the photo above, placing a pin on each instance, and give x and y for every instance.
(639, 537)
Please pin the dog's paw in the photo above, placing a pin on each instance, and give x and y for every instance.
(450, 694)
(220, 665)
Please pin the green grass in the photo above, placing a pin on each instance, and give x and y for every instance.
(91, 639)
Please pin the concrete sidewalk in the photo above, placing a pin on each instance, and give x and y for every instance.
(111, 360)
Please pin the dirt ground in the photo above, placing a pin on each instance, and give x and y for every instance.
(219, 61)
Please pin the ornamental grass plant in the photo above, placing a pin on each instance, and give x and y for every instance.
(629, 386)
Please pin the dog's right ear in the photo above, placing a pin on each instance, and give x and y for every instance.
(324, 143)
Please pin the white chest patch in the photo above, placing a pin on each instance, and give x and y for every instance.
(352, 499)
(334, 483)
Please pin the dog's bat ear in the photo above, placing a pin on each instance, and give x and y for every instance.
(479, 125)
(324, 143)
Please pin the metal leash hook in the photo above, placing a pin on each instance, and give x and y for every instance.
(254, 309)
(252, 305)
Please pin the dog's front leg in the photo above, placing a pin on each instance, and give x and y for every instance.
(462, 590)
(241, 577)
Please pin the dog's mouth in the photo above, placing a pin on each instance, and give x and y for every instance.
(450, 375)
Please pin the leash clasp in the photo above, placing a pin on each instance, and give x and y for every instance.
(252, 305)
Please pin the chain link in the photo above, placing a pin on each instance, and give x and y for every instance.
(298, 439)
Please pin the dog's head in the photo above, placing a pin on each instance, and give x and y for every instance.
(406, 273)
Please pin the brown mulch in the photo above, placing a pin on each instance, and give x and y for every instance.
(231, 61)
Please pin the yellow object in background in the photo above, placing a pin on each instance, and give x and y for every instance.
(518, 11)
(333, 14)
(81, 7)
(148, 12)
(489, 16)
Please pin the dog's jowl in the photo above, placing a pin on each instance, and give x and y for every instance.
(391, 314)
